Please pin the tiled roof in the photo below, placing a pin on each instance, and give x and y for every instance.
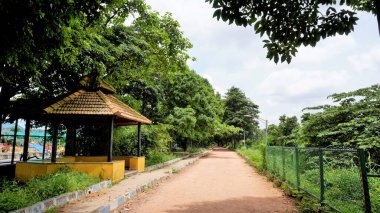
(95, 103)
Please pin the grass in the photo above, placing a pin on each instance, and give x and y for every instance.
(254, 156)
(14, 195)
(195, 150)
(156, 157)
(342, 180)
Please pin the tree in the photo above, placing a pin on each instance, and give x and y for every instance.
(353, 121)
(284, 133)
(183, 122)
(239, 111)
(189, 90)
(290, 24)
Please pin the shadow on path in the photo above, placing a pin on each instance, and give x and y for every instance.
(235, 205)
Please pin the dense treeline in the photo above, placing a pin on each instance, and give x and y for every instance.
(50, 46)
(353, 120)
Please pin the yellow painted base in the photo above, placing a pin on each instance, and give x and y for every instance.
(137, 163)
(96, 166)
(104, 170)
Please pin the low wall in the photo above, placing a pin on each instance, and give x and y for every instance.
(130, 162)
(104, 170)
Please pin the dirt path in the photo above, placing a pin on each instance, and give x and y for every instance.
(221, 182)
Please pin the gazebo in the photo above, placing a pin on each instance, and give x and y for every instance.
(87, 105)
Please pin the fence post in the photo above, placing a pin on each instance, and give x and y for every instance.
(274, 163)
(283, 162)
(321, 177)
(364, 179)
(297, 168)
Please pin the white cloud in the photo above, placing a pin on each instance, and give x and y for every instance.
(366, 61)
(294, 83)
(326, 50)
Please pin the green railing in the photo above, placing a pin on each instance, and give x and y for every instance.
(336, 177)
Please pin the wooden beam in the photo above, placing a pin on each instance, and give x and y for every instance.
(44, 144)
(139, 139)
(110, 143)
(14, 142)
(26, 140)
(54, 147)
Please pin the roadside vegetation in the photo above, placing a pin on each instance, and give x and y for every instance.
(156, 157)
(14, 195)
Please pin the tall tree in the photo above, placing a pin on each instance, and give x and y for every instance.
(290, 24)
(283, 133)
(239, 111)
(353, 121)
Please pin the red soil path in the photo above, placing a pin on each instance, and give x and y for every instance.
(221, 182)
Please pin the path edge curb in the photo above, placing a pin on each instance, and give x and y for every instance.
(63, 199)
(120, 200)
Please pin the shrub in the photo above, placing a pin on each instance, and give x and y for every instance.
(156, 157)
(195, 150)
(15, 195)
(254, 156)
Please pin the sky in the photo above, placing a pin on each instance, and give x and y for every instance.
(228, 55)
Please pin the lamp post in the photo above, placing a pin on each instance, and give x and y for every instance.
(266, 127)
(244, 136)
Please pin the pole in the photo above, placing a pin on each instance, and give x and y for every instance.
(244, 137)
(283, 162)
(109, 157)
(139, 140)
(44, 144)
(54, 147)
(266, 132)
(26, 140)
(14, 142)
(321, 177)
(297, 168)
(364, 178)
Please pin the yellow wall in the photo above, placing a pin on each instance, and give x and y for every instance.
(91, 159)
(104, 170)
(65, 159)
(137, 163)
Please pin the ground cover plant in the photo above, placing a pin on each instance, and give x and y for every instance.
(14, 195)
(342, 181)
(156, 157)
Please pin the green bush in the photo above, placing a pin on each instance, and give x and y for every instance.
(195, 150)
(156, 157)
(15, 196)
(255, 156)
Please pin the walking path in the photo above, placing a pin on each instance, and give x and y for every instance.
(220, 182)
(110, 198)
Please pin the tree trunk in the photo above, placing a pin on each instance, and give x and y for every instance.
(377, 6)
(184, 145)
(1, 126)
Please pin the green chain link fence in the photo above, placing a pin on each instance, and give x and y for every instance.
(336, 177)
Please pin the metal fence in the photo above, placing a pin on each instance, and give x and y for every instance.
(336, 177)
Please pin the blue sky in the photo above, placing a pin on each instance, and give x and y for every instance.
(228, 55)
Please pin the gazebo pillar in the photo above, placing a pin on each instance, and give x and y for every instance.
(70, 140)
(139, 139)
(54, 147)
(14, 142)
(26, 140)
(110, 142)
(44, 144)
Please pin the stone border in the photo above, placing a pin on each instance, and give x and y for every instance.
(120, 200)
(61, 200)
(167, 163)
